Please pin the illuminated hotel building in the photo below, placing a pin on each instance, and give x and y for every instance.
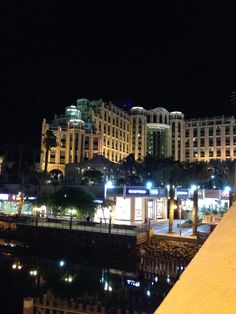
(210, 138)
(96, 127)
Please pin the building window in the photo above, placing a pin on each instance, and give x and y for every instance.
(52, 157)
(227, 152)
(218, 131)
(227, 141)
(62, 157)
(227, 130)
(218, 141)
(95, 143)
(202, 132)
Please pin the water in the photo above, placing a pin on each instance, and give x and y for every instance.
(112, 282)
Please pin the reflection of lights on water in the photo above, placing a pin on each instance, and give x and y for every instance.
(33, 272)
(107, 287)
(133, 283)
(68, 279)
(179, 267)
(17, 265)
(148, 293)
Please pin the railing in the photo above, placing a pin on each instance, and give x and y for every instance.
(49, 305)
(79, 225)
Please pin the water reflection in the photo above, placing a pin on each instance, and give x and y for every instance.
(141, 288)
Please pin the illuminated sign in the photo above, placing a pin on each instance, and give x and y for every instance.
(3, 197)
(137, 191)
(154, 192)
(182, 193)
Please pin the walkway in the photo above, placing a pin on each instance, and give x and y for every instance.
(162, 226)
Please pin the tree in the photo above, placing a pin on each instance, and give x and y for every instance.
(93, 176)
(172, 208)
(69, 198)
(48, 142)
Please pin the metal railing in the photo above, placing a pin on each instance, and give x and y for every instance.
(80, 225)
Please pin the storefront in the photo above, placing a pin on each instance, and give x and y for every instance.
(208, 200)
(12, 204)
(138, 204)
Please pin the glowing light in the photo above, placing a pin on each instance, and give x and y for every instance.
(61, 263)
(149, 185)
(109, 185)
(227, 189)
(69, 279)
(133, 283)
(193, 188)
(17, 265)
(133, 191)
(33, 272)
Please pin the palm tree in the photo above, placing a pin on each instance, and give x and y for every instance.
(48, 142)
(172, 208)
(195, 211)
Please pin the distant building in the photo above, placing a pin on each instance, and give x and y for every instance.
(92, 128)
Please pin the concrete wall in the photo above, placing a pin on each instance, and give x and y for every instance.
(208, 285)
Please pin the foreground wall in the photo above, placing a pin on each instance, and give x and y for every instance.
(208, 285)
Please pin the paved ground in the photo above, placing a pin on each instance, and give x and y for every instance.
(162, 226)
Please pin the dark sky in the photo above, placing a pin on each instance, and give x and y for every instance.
(175, 54)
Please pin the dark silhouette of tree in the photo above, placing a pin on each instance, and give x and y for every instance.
(93, 176)
(69, 198)
(49, 141)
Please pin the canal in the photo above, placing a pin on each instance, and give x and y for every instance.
(112, 282)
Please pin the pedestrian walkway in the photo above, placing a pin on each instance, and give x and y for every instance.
(162, 226)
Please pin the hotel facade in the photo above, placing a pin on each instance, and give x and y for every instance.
(95, 127)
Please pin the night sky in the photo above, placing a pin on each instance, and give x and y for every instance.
(176, 54)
